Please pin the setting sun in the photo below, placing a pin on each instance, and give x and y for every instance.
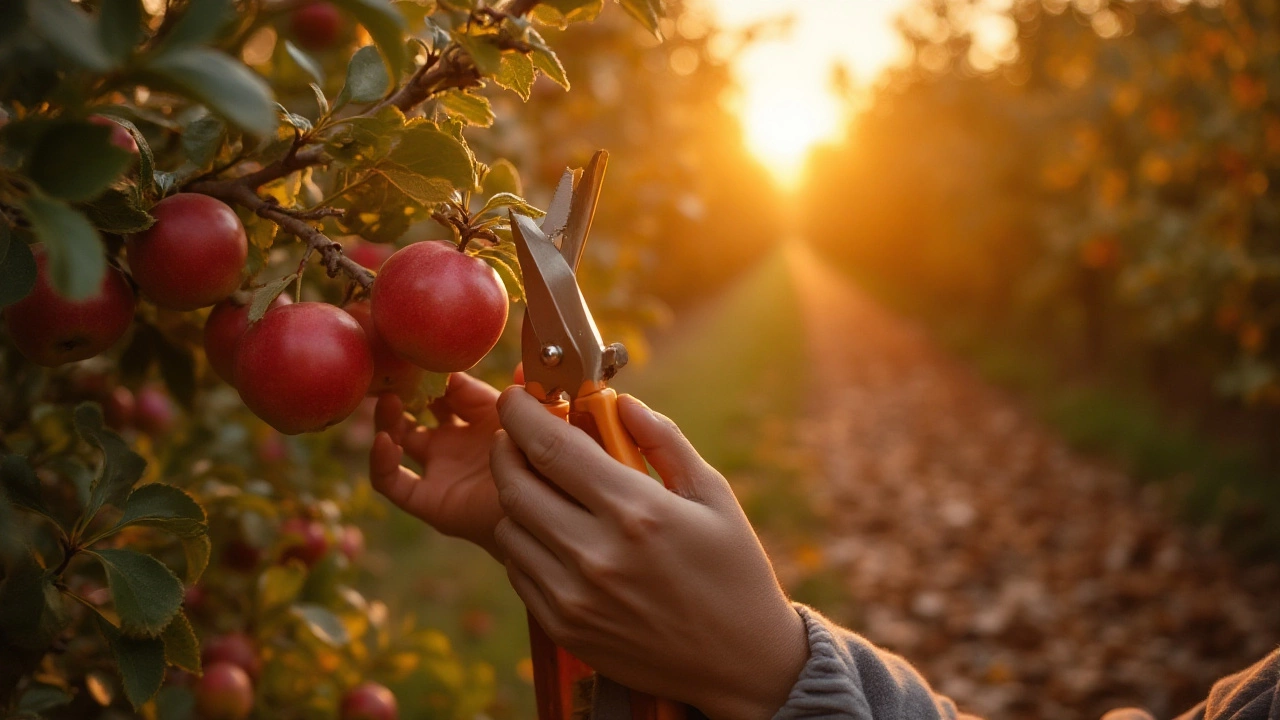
(785, 98)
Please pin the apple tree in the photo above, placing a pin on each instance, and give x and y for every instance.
(223, 225)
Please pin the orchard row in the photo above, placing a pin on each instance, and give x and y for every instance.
(302, 366)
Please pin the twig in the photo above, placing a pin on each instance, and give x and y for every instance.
(241, 193)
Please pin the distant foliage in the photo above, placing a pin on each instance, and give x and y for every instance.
(1110, 183)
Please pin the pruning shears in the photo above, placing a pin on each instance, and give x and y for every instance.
(564, 357)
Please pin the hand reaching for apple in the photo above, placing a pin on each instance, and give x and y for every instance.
(455, 493)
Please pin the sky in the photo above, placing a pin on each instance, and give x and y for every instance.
(786, 102)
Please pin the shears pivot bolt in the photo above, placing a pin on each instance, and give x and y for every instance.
(551, 355)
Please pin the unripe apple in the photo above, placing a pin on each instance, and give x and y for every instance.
(51, 330)
(370, 701)
(224, 692)
(391, 373)
(304, 539)
(316, 26)
(120, 137)
(439, 308)
(193, 256)
(222, 332)
(370, 255)
(235, 648)
(351, 542)
(154, 414)
(304, 367)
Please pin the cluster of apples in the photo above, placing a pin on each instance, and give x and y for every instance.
(303, 366)
(232, 665)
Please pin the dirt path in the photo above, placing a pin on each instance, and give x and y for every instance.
(1025, 581)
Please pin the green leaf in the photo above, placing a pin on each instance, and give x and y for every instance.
(22, 485)
(197, 550)
(77, 161)
(323, 623)
(167, 507)
(516, 74)
(17, 269)
(546, 60)
(298, 122)
(433, 153)
(175, 702)
(181, 646)
(646, 12)
(560, 13)
(121, 467)
(42, 697)
(279, 585)
(503, 177)
(120, 27)
(486, 56)
(367, 79)
(322, 103)
(115, 211)
(508, 269)
(422, 190)
(265, 295)
(76, 262)
(385, 25)
(202, 138)
(304, 61)
(178, 370)
(200, 23)
(146, 594)
(140, 661)
(511, 200)
(72, 32)
(146, 159)
(474, 109)
(222, 83)
(33, 608)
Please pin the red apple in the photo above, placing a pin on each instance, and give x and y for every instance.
(155, 413)
(370, 255)
(51, 330)
(437, 307)
(119, 408)
(224, 692)
(222, 332)
(391, 373)
(120, 137)
(235, 648)
(304, 539)
(317, 26)
(304, 367)
(240, 555)
(193, 256)
(370, 701)
(351, 542)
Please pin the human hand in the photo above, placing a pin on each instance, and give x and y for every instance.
(665, 592)
(455, 494)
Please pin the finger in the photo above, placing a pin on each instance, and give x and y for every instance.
(545, 513)
(415, 443)
(403, 487)
(568, 456)
(389, 416)
(532, 595)
(521, 548)
(471, 399)
(678, 463)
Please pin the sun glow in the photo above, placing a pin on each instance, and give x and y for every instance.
(786, 101)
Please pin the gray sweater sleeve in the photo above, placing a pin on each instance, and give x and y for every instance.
(848, 677)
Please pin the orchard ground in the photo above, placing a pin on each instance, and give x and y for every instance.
(908, 499)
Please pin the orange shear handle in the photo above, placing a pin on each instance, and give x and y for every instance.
(557, 673)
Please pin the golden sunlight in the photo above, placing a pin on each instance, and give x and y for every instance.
(785, 98)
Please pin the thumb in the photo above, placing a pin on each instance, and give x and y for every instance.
(678, 463)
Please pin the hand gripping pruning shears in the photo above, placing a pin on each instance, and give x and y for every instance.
(564, 356)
